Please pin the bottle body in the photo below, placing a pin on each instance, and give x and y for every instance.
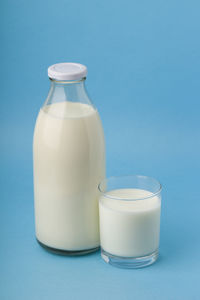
(69, 163)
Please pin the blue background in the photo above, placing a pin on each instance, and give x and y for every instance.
(143, 59)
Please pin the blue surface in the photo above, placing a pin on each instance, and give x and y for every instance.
(144, 68)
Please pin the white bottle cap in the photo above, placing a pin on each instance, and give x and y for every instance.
(67, 71)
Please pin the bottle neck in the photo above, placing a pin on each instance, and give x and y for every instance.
(73, 91)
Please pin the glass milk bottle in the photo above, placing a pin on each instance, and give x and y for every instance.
(69, 163)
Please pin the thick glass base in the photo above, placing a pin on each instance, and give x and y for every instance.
(67, 252)
(129, 262)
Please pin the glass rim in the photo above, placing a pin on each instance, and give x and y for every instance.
(67, 81)
(105, 194)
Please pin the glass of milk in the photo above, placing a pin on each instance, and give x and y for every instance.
(129, 213)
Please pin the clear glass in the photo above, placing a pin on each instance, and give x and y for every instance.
(73, 91)
(129, 212)
(69, 162)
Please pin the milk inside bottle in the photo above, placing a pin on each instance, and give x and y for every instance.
(69, 162)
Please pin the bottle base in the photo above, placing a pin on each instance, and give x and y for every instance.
(67, 252)
(129, 262)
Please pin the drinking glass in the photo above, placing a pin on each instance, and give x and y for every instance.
(129, 211)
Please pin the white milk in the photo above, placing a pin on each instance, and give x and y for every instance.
(68, 165)
(129, 228)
